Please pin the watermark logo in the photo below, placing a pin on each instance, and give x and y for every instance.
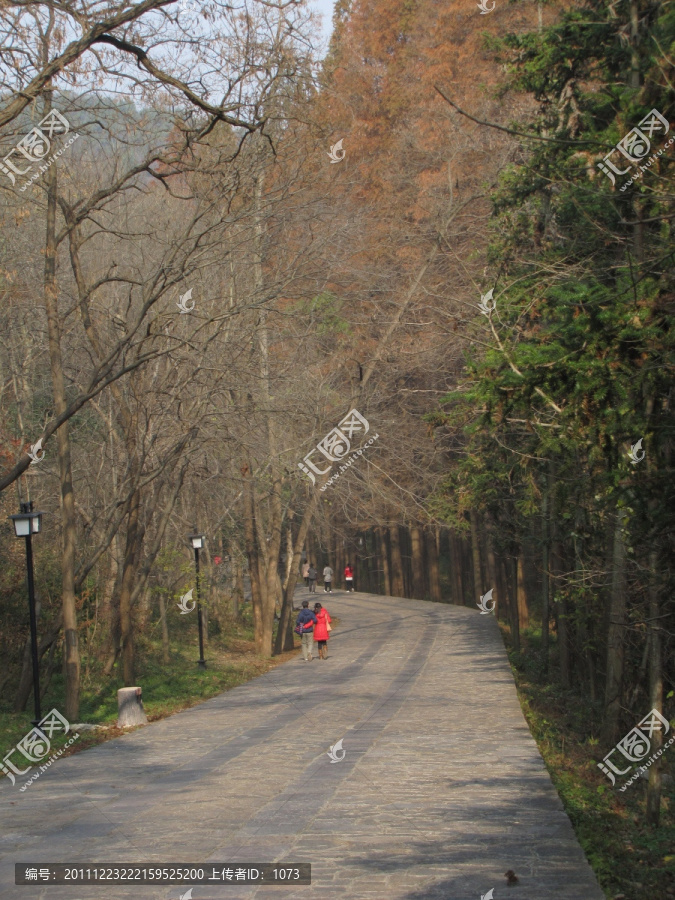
(483, 603)
(335, 750)
(484, 305)
(336, 444)
(636, 145)
(35, 451)
(349, 462)
(182, 303)
(484, 8)
(36, 745)
(490, 894)
(183, 604)
(634, 458)
(636, 745)
(35, 146)
(187, 895)
(335, 152)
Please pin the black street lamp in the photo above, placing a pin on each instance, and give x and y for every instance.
(26, 524)
(197, 541)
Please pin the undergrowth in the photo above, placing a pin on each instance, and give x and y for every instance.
(631, 860)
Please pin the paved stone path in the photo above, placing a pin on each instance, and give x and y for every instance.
(441, 791)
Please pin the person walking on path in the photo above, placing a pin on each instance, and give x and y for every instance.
(327, 579)
(349, 577)
(322, 630)
(311, 575)
(305, 627)
(305, 573)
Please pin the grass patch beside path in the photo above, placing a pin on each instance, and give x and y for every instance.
(167, 689)
(631, 860)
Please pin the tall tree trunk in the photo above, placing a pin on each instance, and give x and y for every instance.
(433, 567)
(165, 629)
(513, 602)
(315, 552)
(132, 553)
(580, 616)
(502, 604)
(493, 579)
(289, 551)
(653, 804)
(653, 801)
(634, 41)
(110, 580)
(251, 544)
(278, 596)
(360, 570)
(205, 617)
(276, 516)
(561, 611)
(373, 572)
(523, 610)
(457, 569)
(272, 548)
(340, 561)
(311, 552)
(331, 544)
(417, 563)
(114, 636)
(564, 642)
(545, 565)
(478, 586)
(404, 536)
(615, 636)
(71, 653)
(284, 640)
(238, 584)
(586, 651)
(531, 578)
(384, 557)
(396, 562)
(467, 569)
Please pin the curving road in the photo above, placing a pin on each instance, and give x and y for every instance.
(440, 792)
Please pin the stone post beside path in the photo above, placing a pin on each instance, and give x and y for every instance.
(130, 708)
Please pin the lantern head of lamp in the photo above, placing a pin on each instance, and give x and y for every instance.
(28, 521)
(197, 541)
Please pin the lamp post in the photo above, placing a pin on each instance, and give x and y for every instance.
(197, 541)
(26, 524)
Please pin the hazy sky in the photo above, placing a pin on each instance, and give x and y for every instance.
(325, 7)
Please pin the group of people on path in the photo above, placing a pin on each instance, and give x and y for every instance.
(313, 627)
(309, 573)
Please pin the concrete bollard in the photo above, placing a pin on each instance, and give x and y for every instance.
(130, 707)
